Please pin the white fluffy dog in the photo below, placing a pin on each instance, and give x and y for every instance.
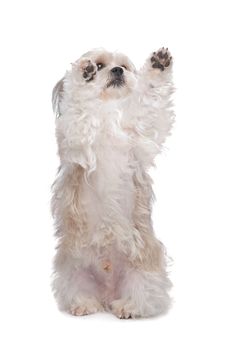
(111, 122)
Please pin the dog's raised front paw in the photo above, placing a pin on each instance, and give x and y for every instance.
(161, 59)
(88, 69)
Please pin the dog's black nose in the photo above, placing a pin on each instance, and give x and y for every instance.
(117, 71)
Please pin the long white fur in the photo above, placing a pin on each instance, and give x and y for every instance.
(108, 256)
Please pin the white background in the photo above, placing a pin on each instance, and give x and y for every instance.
(193, 180)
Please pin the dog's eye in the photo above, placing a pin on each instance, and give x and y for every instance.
(100, 65)
(123, 66)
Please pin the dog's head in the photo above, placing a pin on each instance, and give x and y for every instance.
(113, 75)
(99, 74)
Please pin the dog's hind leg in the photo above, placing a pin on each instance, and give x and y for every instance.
(75, 287)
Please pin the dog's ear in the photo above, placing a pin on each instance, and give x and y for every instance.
(57, 95)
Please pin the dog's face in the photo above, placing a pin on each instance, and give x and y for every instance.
(111, 75)
(97, 74)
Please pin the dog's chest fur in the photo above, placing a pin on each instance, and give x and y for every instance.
(108, 193)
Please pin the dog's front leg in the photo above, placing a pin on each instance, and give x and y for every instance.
(153, 113)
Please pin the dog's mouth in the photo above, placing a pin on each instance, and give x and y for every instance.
(116, 82)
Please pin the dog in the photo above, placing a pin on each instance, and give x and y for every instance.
(112, 121)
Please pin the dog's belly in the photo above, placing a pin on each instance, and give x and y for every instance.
(108, 271)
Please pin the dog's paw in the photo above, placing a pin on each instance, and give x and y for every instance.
(86, 307)
(88, 69)
(161, 59)
(122, 309)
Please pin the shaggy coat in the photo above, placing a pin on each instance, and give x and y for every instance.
(111, 123)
